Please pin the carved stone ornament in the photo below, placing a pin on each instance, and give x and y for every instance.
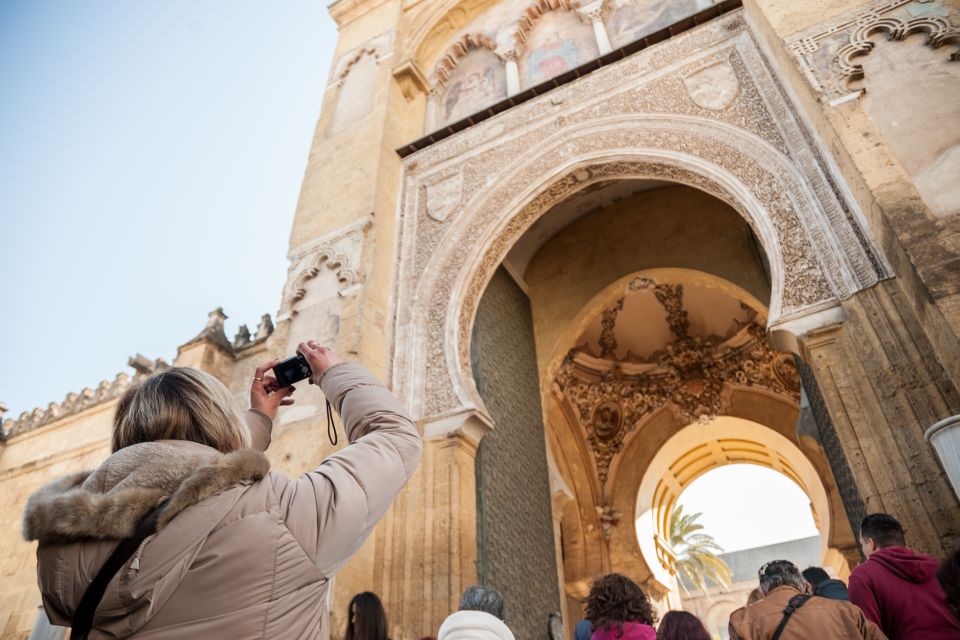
(693, 375)
(340, 252)
(633, 119)
(609, 517)
(713, 87)
(444, 197)
(828, 51)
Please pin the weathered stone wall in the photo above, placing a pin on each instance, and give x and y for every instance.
(884, 385)
(515, 551)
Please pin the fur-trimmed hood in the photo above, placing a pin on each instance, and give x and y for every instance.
(107, 503)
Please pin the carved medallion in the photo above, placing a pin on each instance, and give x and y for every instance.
(713, 87)
(444, 197)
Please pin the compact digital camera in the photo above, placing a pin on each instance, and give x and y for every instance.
(293, 369)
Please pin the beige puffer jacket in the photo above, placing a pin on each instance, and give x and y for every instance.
(242, 552)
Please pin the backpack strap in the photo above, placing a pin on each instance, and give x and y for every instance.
(83, 615)
(795, 603)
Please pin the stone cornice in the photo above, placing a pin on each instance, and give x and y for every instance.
(75, 403)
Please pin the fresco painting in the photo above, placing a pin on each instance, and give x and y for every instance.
(633, 20)
(559, 42)
(478, 81)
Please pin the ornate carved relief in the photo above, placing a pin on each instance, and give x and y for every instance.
(339, 252)
(631, 119)
(828, 51)
(690, 376)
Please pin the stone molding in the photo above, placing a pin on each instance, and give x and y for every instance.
(340, 251)
(632, 119)
(856, 30)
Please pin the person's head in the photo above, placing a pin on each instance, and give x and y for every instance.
(681, 625)
(814, 576)
(367, 620)
(180, 403)
(615, 599)
(948, 575)
(781, 573)
(486, 599)
(755, 596)
(879, 531)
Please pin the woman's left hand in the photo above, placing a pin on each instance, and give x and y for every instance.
(266, 395)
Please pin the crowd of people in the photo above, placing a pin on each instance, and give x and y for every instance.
(214, 544)
(896, 593)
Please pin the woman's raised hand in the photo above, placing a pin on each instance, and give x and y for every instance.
(320, 359)
(266, 395)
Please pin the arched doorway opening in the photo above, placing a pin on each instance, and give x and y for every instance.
(647, 321)
(724, 502)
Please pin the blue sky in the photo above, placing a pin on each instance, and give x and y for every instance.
(151, 155)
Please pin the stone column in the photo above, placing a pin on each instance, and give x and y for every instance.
(430, 120)
(513, 72)
(883, 386)
(593, 14)
(426, 547)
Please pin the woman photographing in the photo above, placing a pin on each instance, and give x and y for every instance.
(238, 551)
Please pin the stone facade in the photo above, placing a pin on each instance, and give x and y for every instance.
(755, 153)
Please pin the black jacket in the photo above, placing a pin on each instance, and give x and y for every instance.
(833, 589)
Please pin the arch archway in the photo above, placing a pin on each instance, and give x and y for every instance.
(444, 280)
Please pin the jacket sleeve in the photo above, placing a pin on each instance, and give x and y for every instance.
(260, 427)
(862, 595)
(870, 630)
(332, 509)
(731, 627)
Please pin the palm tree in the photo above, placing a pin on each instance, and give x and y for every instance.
(697, 560)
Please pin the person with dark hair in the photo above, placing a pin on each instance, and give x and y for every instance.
(618, 608)
(681, 625)
(821, 584)
(948, 575)
(787, 613)
(481, 615)
(897, 587)
(367, 619)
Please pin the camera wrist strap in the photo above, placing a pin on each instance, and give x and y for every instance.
(331, 426)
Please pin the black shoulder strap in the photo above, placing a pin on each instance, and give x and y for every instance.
(83, 616)
(795, 603)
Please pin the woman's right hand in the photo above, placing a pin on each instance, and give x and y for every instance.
(320, 359)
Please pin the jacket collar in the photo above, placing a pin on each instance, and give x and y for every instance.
(107, 503)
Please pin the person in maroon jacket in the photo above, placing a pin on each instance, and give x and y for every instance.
(897, 588)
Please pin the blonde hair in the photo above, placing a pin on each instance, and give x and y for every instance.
(180, 403)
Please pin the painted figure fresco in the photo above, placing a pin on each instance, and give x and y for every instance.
(559, 42)
(634, 19)
(478, 81)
